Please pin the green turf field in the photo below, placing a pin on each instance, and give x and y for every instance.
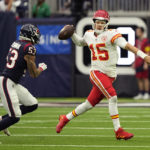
(90, 131)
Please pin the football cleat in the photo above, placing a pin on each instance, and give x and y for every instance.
(6, 131)
(62, 122)
(121, 134)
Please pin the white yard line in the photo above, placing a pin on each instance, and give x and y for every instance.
(106, 116)
(58, 135)
(54, 113)
(57, 113)
(105, 104)
(97, 115)
(84, 146)
(42, 113)
(80, 128)
(48, 135)
(75, 121)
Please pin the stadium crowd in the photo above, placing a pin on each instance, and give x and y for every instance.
(79, 9)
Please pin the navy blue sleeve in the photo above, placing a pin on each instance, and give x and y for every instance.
(29, 49)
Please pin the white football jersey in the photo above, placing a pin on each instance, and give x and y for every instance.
(104, 55)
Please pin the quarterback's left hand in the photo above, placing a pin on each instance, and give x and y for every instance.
(42, 66)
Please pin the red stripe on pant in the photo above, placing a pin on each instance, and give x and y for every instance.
(96, 94)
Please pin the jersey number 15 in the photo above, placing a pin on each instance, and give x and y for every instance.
(101, 55)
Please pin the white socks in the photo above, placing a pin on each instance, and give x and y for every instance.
(79, 110)
(113, 111)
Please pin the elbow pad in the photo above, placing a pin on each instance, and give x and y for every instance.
(121, 42)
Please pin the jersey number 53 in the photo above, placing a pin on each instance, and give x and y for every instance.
(11, 58)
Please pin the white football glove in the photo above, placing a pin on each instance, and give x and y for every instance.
(42, 66)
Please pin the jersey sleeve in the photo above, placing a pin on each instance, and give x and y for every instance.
(29, 50)
(121, 42)
(87, 35)
(114, 35)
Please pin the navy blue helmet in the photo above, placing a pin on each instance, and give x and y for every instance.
(30, 32)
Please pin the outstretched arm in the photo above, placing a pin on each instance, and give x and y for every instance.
(124, 44)
(78, 40)
(138, 52)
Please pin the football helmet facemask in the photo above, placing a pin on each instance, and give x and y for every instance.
(103, 16)
(30, 32)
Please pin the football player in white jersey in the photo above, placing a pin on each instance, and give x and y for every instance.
(102, 43)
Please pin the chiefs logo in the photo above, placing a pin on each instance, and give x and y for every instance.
(104, 38)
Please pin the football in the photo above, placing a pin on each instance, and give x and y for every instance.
(66, 32)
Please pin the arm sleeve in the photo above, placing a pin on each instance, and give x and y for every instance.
(78, 40)
(121, 42)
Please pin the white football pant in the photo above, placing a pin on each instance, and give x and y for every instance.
(12, 95)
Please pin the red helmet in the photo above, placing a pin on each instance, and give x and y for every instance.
(101, 15)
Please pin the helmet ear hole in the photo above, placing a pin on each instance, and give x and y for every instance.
(94, 20)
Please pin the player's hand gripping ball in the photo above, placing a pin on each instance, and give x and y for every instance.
(66, 32)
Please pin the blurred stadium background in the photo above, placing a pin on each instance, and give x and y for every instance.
(68, 66)
(66, 83)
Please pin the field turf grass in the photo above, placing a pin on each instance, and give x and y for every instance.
(90, 131)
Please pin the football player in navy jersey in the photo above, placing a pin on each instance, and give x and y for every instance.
(16, 99)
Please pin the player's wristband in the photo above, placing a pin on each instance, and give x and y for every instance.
(41, 68)
(141, 54)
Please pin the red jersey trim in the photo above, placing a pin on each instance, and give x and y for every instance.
(115, 37)
(26, 46)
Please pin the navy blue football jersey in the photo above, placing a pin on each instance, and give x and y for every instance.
(16, 65)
